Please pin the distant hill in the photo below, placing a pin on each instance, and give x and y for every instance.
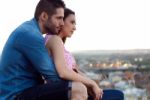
(132, 51)
(113, 55)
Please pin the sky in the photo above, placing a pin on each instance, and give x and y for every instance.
(101, 24)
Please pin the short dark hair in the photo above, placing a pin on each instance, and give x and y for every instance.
(48, 6)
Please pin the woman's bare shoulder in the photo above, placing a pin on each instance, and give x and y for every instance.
(54, 40)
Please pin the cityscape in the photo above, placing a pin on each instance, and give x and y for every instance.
(126, 70)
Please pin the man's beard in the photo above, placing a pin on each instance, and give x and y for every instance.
(50, 31)
(50, 28)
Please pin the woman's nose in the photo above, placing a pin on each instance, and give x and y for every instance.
(74, 28)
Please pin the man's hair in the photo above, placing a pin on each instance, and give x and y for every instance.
(48, 6)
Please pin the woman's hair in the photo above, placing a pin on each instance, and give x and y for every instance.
(67, 12)
(48, 6)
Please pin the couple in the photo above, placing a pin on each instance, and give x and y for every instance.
(25, 60)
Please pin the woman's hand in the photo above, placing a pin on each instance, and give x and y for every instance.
(95, 91)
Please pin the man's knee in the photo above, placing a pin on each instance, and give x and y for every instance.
(79, 90)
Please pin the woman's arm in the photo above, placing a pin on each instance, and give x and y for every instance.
(76, 69)
(56, 48)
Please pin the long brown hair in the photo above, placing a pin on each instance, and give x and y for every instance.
(67, 12)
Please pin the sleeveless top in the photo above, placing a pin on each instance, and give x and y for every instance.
(70, 61)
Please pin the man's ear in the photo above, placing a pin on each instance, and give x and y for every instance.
(44, 16)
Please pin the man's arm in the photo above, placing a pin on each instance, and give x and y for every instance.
(33, 48)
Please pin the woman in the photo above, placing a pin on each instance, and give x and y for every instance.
(66, 65)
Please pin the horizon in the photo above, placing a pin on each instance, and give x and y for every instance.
(84, 51)
(123, 50)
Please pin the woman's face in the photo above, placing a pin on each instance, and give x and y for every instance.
(69, 26)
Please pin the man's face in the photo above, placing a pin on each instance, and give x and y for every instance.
(55, 22)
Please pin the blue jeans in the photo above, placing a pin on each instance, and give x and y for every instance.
(111, 94)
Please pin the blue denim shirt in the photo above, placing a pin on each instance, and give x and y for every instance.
(24, 56)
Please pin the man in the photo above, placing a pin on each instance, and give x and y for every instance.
(25, 58)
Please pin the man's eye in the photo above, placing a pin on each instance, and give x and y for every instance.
(73, 22)
(59, 17)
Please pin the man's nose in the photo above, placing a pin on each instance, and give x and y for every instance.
(61, 23)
